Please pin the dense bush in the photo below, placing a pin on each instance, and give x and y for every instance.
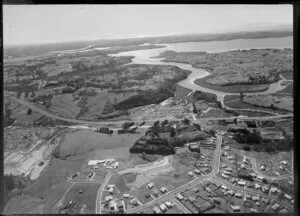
(247, 137)
(199, 95)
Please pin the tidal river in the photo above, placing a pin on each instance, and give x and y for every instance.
(146, 57)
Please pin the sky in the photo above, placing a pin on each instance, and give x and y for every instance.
(23, 24)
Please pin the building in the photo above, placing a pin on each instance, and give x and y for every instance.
(231, 192)
(147, 195)
(257, 186)
(227, 173)
(155, 193)
(225, 176)
(196, 190)
(238, 195)
(126, 195)
(235, 208)
(190, 174)
(273, 189)
(265, 189)
(108, 198)
(247, 196)
(208, 189)
(255, 198)
(216, 200)
(111, 186)
(242, 182)
(263, 167)
(224, 187)
(275, 207)
(168, 204)
(283, 162)
(265, 200)
(150, 185)
(156, 210)
(228, 169)
(120, 205)
(179, 197)
(112, 205)
(111, 190)
(260, 178)
(198, 172)
(134, 202)
(163, 207)
(163, 189)
(287, 196)
(191, 199)
(253, 210)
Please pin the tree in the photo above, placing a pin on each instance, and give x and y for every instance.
(29, 111)
(186, 121)
(194, 107)
(241, 95)
(26, 94)
(164, 123)
(172, 132)
(18, 94)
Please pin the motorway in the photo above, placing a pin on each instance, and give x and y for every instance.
(35, 108)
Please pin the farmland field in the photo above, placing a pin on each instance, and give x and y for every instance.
(87, 197)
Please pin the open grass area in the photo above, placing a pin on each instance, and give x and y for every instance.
(289, 90)
(63, 105)
(233, 101)
(82, 194)
(230, 88)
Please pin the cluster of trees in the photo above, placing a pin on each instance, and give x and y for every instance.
(273, 146)
(199, 95)
(161, 147)
(245, 136)
(8, 120)
(166, 90)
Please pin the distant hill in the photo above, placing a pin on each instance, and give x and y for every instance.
(39, 49)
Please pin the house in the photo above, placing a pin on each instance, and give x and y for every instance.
(155, 193)
(242, 182)
(253, 210)
(147, 195)
(108, 198)
(190, 174)
(282, 168)
(120, 205)
(112, 205)
(231, 192)
(260, 178)
(191, 199)
(163, 207)
(110, 185)
(257, 203)
(225, 176)
(262, 167)
(163, 189)
(216, 200)
(198, 172)
(284, 211)
(287, 196)
(275, 207)
(134, 202)
(156, 210)
(292, 201)
(265, 189)
(257, 186)
(227, 173)
(111, 190)
(238, 195)
(283, 162)
(196, 190)
(235, 208)
(228, 169)
(247, 196)
(208, 189)
(265, 200)
(224, 165)
(169, 204)
(126, 195)
(253, 175)
(224, 187)
(179, 197)
(255, 198)
(150, 185)
(273, 189)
